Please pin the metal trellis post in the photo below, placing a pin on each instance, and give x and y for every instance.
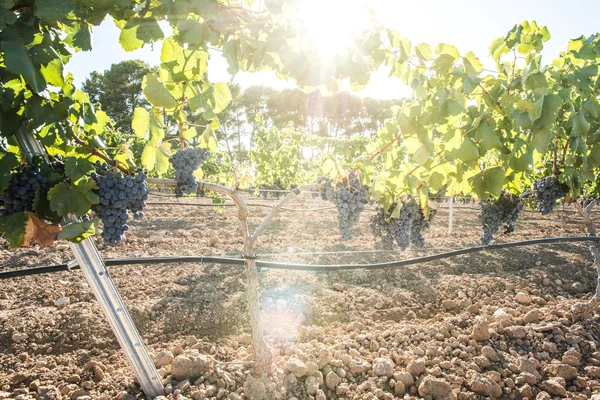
(106, 293)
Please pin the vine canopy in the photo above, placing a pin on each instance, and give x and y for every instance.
(468, 128)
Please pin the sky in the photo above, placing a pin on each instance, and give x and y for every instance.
(466, 24)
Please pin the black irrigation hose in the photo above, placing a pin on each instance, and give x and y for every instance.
(298, 267)
(123, 261)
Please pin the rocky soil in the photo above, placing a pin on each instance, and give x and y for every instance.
(486, 325)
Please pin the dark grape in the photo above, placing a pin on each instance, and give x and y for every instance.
(22, 188)
(494, 213)
(118, 193)
(547, 190)
(399, 229)
(419, 225)
(326, 192)
(186, 162)
(350, 198)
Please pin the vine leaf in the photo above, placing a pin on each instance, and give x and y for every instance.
(8, 161)
(222, 97)
(23, 228)
(156, 157)
(17, 60)
(75, 199)
(82, 39)
(76, 168)
(140, 122)
(78, 231)
(156, 92)
(468, 151)
(488, 183)
(37, 231)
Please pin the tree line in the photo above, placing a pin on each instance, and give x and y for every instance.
(118, 91)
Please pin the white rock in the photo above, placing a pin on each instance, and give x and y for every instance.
(523, 298)
(383, 367)
(65, 301)
(19, 337)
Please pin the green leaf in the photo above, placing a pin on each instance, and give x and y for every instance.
(149, 31)
(421, 156)
(379, 185)
(140, 122)
(552, 103)
(128, 38)
(580, 125)
(447, 49)
(222, 97)
(498, 48)
(537, 83)
(171, 51)
(53, 10)
(329, 168)
(82, 39)
(18, 61)
(467, 151)
(436, 181)
(526, 105)
(488, 139)
(76, 168)
(190, 133)
(473, 66)
(156, 92)
(7, 17)
(424, 53)
(78, 231)
(156, 158)
(13, 227)
(8, 161)
(488, 183)
(74, 199)
(53, 72)
(521, 157)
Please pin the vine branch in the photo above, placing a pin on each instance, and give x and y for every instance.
(95, 152)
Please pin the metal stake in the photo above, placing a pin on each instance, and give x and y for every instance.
(106, 293)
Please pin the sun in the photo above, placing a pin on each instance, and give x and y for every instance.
(331, 25)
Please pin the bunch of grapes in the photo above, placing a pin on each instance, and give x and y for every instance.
(350, 198)
(419, 225)
(547, 190)
(400, 229)
(494, 213)
(326, 192)
(118, 193)
(22, 188)
(186, 162)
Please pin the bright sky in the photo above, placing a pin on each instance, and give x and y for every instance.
(466, 24)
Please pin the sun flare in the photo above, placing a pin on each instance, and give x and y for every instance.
(331, 24)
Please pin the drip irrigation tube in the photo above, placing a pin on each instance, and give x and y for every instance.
(235, 205)
(297, 267)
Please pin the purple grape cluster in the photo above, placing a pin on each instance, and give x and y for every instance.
(350, 197)
(22, 188)
(494, 213)
(547, 190)
(186, 162)
(400, 229)
(118, 194)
